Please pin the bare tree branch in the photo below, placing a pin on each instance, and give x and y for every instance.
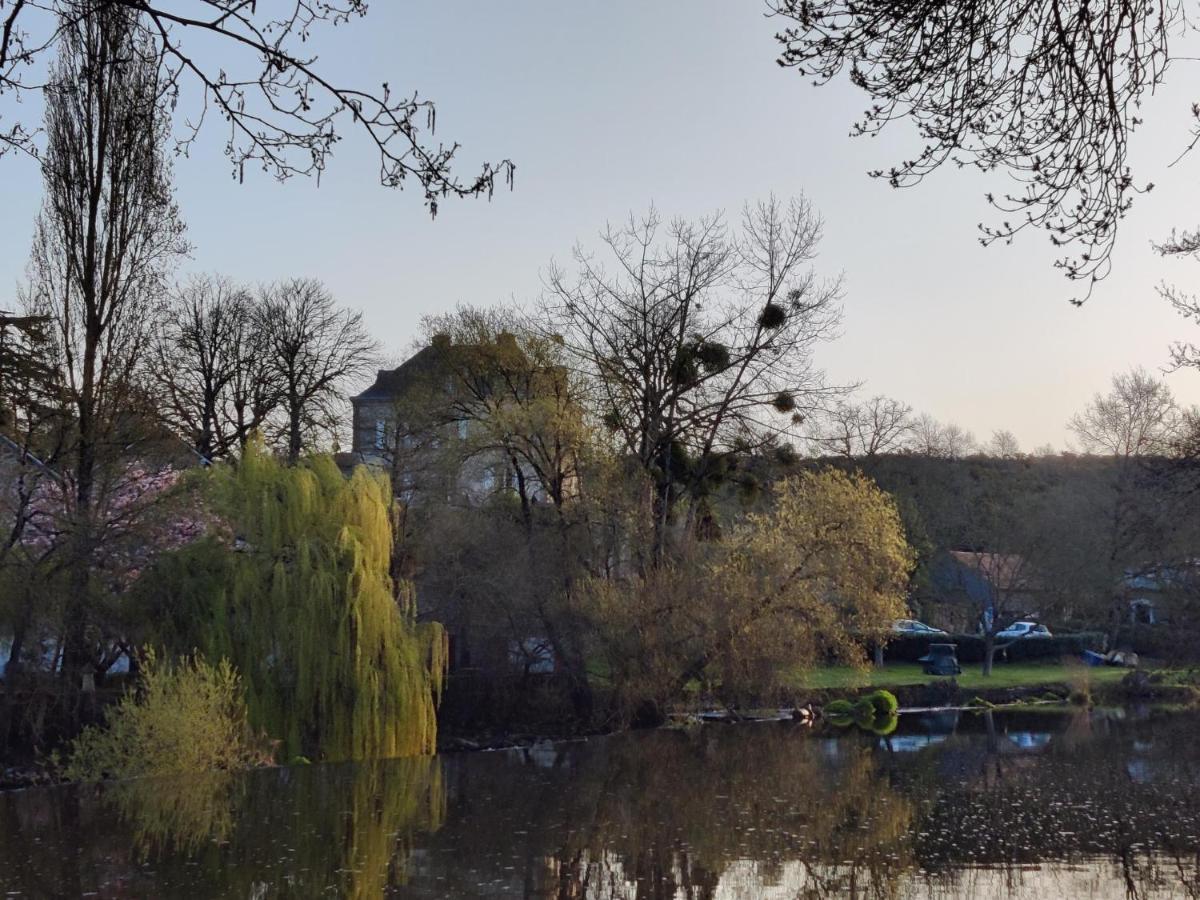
(282, 111)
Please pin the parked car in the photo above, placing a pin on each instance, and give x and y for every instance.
(913, 628)
(1024, 630)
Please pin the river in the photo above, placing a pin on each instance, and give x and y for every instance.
(1102, 803)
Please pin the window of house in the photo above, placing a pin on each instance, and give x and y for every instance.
(380, 434)
(487, 480)
(462, 429)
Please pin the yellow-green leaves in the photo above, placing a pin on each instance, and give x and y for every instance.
(187, 717)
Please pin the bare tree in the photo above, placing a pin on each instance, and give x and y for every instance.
(1049, 91)
(1137, 418)
(1003, 444)
(107, 236)
(314, 350)
(1003, 588)
(250, 65)
(852, 430)
(932, 438)
(1141, 515)
(209, 366)
(698, 342)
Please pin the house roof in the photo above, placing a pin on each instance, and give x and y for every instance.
(1005, 571)
(390, 383)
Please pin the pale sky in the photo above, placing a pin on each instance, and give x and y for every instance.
(606, 108)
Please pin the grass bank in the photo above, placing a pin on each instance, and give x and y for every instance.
(1004, 676)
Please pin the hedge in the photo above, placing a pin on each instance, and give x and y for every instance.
(970, 648)
(1168, 643)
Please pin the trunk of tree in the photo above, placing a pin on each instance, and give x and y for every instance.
(204, 445)
(1116, 624)
(523, 495)
(989, 654)
(77, 662)
(12, 669)
(295, 440)
(661, 507)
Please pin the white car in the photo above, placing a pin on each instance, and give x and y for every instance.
(1024, 630)
(913, 628)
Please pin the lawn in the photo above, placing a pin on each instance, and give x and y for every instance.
(1004, 675)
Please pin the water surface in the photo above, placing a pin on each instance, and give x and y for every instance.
(1095, 804)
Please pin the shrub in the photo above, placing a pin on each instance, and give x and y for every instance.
(875, 712)
(884, 703)
(863, 712)
(188, 717)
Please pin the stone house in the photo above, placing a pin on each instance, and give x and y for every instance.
(423, 423)
(405, 423)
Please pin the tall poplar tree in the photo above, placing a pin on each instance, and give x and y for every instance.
(105, 241)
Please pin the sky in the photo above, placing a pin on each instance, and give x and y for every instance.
(608, 108)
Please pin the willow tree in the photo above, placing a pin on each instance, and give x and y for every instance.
(334, 664)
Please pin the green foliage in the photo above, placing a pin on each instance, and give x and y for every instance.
(863, 712)
(884, 703)
(335, 666)
(885, 725)
(876, 712)
(188, 717)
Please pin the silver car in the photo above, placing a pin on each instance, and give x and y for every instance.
(1024, 630)
(913, 628)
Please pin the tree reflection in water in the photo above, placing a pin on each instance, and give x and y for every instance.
(343, 830)
(978, 805)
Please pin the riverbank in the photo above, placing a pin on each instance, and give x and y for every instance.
(546, 714)
(1003, 677)
(491, 718)
(1011, 683)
